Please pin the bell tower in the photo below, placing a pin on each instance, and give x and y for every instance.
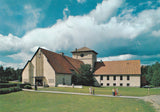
(86, 55)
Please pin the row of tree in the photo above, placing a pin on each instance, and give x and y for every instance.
(152, 73)
(10, 74)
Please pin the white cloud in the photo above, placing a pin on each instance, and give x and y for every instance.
(65, 13)
(105, 10)
(14, 65)
(93, 29)
(32, 17)
(115, 58)
(9, 43)
(156, 33)
(81, 1)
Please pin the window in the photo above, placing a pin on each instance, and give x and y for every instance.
(128, 84)
(101, 84)
(114, 84)
(107, 77)
(121, 84)
(121, 77)
(101, 77)
(128, 78)
(114, 77)
(107, 84)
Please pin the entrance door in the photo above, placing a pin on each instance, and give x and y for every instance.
(39, 81)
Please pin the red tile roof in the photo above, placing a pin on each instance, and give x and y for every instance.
(118, 67)
(61, 63)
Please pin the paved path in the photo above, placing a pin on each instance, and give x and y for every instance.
(155, 100)
(60, 92)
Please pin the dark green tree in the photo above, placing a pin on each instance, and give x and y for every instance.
(84, 76)
(1, 74)
(156, 78)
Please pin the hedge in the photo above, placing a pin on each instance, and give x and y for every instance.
(9, 90)
(7, 85)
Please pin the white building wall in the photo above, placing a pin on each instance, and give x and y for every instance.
(49, 73)
(63, 79)
(134, 81)
(25, 74)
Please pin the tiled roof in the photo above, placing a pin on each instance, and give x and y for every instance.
(61, 63)
(118, 67)
(84, 49)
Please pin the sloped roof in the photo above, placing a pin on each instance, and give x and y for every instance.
(118, 67)
(84, 49)
(61, 63)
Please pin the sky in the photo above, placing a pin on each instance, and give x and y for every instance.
(115, 29)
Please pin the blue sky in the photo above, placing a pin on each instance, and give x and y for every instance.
(116, 29)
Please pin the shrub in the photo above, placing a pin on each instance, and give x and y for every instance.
(9, 90)
(7, 85)
(27, 87)
(22, 85)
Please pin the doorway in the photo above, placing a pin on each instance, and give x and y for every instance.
(39, 81)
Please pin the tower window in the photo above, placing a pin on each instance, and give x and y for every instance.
(81, 55)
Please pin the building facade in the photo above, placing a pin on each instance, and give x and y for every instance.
(49, 68)
(118, 73)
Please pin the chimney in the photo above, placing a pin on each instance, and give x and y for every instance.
(61, 53)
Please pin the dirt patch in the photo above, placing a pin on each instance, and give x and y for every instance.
(155, 100)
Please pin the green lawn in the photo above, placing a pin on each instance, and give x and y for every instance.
(48, 102)
(124, 91)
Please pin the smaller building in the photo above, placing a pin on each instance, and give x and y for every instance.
(118, 73)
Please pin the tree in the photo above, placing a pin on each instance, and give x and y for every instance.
(1, 73)
(153, 74)
(9, 74)
(156, 78)
(84, 76)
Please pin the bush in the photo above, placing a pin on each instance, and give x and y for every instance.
(9, 90)
(7, 85)
(23, 85)
(27, 87)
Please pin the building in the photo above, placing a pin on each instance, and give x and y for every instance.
(118, 73)
(50, 68)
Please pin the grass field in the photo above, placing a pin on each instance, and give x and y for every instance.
(47, 102)
(124, 91)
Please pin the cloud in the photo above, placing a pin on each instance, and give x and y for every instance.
(81, 1)
(145, 59)
(15, 65)
(32, 17)
(114, 58)
(9, 43)
(102, 28)
(105, 10)
(156, 33)
(65, 13)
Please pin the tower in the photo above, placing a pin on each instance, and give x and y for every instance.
(86, 55)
